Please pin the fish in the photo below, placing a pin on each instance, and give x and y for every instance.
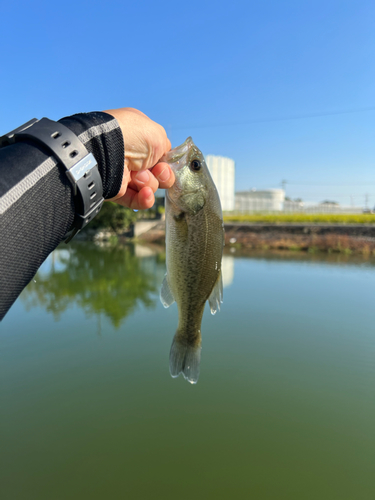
(194, 248)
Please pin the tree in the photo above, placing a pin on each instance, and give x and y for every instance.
(114, 216)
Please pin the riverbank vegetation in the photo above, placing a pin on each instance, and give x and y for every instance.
(300, 218)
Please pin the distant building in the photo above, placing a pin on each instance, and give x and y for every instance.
(330, 207)
(268, 200)
(293, 206)
(222, 171)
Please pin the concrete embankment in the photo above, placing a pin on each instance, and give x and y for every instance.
(347, 238)
(323, 237)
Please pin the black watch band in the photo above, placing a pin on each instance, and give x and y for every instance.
(81, 166)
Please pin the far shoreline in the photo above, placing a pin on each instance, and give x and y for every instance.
(341, 238)
(331, 238)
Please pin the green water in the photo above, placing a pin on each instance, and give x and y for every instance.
(284, 408)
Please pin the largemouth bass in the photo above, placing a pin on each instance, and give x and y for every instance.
(195, 240)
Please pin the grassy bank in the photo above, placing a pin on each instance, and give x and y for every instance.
(302, 218)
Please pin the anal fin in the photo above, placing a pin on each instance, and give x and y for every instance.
(216, 297)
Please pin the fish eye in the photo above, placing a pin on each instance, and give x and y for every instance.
(195, 165)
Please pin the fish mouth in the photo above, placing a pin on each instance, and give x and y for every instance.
(175, 154)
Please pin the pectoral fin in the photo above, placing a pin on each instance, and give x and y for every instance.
(166, 295)
(216, 297)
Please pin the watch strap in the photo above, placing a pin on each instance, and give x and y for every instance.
(81, 166)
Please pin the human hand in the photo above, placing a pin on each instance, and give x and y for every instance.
(145, 143)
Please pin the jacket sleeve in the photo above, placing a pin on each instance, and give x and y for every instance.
(36, 201)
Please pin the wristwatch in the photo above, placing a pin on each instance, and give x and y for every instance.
(80, 165)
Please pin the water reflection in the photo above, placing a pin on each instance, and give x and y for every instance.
(114, 281)
(227, 268)
(110, 281)
(106, 280)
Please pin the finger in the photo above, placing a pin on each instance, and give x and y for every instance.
(137, 200)
(142, 179)
(164, 174)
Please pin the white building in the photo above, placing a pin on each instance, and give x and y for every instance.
(268, 200)
(222, 171)
(294, 206)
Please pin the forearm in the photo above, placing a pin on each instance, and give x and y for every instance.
(36, 203)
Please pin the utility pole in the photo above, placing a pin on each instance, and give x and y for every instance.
(283, 184)
(366, 201)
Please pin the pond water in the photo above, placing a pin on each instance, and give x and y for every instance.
(284, 407)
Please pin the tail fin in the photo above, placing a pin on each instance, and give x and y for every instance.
(184, 358)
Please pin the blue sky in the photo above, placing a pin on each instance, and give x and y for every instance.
(276, 85)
